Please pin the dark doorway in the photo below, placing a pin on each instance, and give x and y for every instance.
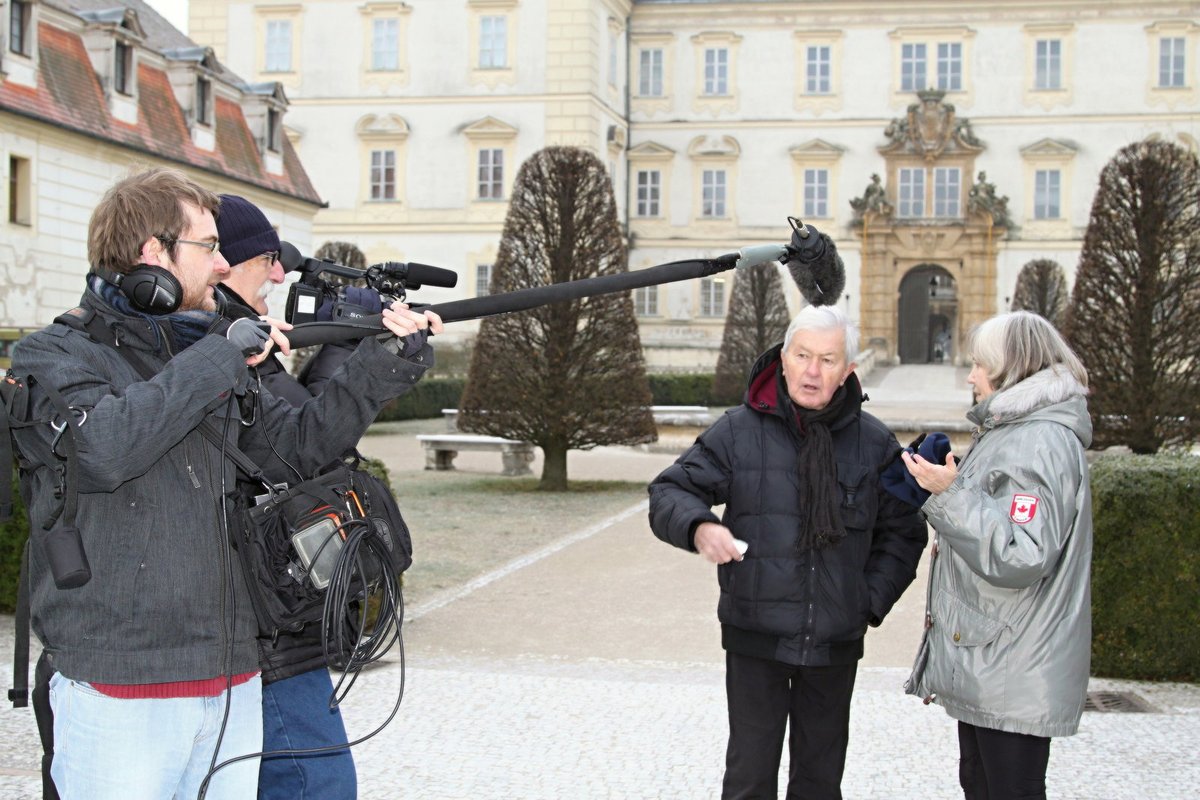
(928, 316)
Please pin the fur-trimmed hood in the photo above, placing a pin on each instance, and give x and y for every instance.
(1052, 393)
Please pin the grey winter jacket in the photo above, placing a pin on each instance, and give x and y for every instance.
(1009, 590)
(158, 607)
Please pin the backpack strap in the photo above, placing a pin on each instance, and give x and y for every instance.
(19, 693)
(85, 320)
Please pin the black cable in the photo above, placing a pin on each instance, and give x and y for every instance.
(229, 624)
(345, 584)
(266, 434)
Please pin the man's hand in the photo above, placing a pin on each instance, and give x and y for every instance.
(410, 329)
(254, 337)
(715, 543)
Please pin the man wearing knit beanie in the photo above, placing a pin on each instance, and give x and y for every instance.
(251, 246)
(295, 679)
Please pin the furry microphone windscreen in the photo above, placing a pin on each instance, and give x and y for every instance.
(821, 280)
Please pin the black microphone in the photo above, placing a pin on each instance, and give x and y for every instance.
(815, 265)
(414, 275)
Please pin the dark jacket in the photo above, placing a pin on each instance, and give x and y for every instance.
(158, 607)
(285, 656)
(801, 606)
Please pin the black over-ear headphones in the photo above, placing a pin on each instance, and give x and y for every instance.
(149, 289)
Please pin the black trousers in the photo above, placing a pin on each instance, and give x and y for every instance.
(764, 696)
(998, 765)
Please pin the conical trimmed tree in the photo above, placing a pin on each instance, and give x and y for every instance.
(757, 318)
(570, 375)
(345, 253)
(1135, 308)
(1042, 289)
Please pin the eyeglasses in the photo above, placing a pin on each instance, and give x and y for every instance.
(211, 247)
(271, 256)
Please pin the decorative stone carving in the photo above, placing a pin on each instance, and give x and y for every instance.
(930, 128)
(873, 201)
(982, 199)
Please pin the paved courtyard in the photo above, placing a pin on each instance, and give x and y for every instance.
(590, 667)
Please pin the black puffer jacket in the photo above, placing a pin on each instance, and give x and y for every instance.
(286, 656)
(807, 607)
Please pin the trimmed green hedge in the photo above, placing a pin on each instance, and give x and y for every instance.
(1146, 567)
(691, 389)
(431, 395)
(12, 541)
(425, 400)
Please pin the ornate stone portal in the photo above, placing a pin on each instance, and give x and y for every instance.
(929, 252)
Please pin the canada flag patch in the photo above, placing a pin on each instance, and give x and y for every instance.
(1023, 509)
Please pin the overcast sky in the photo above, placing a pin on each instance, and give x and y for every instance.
(176, 11)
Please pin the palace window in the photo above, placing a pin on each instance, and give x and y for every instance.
(493, 42)
(383, 175)
(1048, 64)
(716, 71)
(816, 193)
(491, 174)
(713, 191)
(650, 73)
(1046, 194)
(278, 49)
(911, 192)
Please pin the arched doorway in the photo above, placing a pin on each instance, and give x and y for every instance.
(928, 316)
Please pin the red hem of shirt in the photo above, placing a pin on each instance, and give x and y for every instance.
(208, 687)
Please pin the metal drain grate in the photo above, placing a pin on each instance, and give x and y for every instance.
(1117, 701)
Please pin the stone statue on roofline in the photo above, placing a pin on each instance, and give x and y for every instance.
(982, 199)
(873, 201)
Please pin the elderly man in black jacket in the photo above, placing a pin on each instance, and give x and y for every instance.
(812, 550)
(295, 676)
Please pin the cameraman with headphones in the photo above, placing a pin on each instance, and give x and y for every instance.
(156, 653)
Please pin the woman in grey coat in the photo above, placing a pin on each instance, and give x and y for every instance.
(1007, 645)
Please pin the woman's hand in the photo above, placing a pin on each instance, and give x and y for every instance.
(933, 478)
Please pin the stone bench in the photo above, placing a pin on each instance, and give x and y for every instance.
(440, 450)
(691, 416)
(698, 416)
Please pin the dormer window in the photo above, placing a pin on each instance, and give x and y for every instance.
(18, 28)
(274, 130)
(123, 68)
(203, 100)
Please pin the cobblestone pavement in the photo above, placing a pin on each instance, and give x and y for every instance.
(591, 668)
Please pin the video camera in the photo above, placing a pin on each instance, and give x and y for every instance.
(313, 298)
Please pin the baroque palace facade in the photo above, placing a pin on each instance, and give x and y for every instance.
(943, 144)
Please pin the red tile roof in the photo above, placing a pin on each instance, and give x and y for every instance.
(69, 95)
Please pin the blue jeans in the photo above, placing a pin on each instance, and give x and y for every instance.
(106, 748)
(296, 716)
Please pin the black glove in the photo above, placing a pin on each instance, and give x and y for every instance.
(406, 347)
(366, 301)
(810, 249)
(249, 335)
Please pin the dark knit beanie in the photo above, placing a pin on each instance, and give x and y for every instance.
(243, 230)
